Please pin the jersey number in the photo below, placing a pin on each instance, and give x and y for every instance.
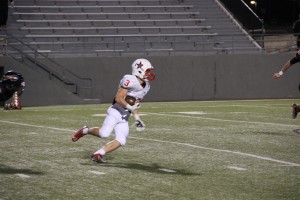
(126, 83)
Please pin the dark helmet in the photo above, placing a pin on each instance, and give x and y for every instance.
(13, 81)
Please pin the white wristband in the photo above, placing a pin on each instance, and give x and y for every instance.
(280, 73)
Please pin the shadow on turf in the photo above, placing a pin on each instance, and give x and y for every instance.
(152, 168)
(9, 170)
(268, 133)
(297, 131)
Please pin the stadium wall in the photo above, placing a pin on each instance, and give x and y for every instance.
(179, 78)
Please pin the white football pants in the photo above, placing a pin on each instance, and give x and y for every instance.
(115, 121)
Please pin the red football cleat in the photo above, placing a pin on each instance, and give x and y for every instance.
(97, 157)
(78, 134)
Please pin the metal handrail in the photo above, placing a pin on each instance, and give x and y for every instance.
(54, 70)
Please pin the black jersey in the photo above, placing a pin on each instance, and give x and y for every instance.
(296, 59)
(4, 93)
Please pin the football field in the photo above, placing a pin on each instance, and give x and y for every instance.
(210, 150)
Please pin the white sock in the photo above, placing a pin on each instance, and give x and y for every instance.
(101, 151)
(85, 130)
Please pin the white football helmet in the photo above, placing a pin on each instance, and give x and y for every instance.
(142, 69)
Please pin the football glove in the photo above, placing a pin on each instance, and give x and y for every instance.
(133, 107)
(139, 124)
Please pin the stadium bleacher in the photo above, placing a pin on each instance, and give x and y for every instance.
(122, 27)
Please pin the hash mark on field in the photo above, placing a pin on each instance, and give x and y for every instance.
(96, 172)
(99, 115)
(103, 115)
(237, 168)
(23, 175)
(193, 113)
(167, 170)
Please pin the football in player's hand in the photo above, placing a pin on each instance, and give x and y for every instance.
(130, 100)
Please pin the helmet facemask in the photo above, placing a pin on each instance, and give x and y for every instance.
(149, 75)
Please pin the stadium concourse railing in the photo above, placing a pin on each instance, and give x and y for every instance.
(247, 18)
(38, 61)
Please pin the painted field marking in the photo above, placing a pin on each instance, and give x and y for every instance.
(23, 175)
(99, 115)
(96, 172)
(193, 113)
(224, 120)
(177, 143)
(223, 150)
(167, 170)
(103, 115)
(237, 168)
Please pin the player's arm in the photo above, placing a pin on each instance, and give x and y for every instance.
(287, 65)
(284, 68)
(139, 124)
(120, 99)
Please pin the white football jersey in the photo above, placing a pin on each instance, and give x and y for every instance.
(136, 90)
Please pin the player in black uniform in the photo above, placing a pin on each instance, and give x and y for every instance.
(294, 60)
(11, 85)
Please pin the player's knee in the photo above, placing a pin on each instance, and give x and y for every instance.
(122, 141)
(103, 133)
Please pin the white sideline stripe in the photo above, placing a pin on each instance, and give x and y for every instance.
(178, 143)
(237, 168)
(23, 175)
(96, 172)
(224, 120)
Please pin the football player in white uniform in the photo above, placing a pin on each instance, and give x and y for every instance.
(136, 85)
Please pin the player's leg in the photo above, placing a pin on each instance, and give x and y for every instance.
(80, 133)
(121, 134)
(14, 104)
(295, 110)
(106, 129)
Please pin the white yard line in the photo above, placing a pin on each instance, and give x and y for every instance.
(177, 143)
(223, 150)
(224, 120)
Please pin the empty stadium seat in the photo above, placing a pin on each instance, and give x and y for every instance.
(148, 26)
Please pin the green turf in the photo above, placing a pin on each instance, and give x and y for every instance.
(211, 150)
